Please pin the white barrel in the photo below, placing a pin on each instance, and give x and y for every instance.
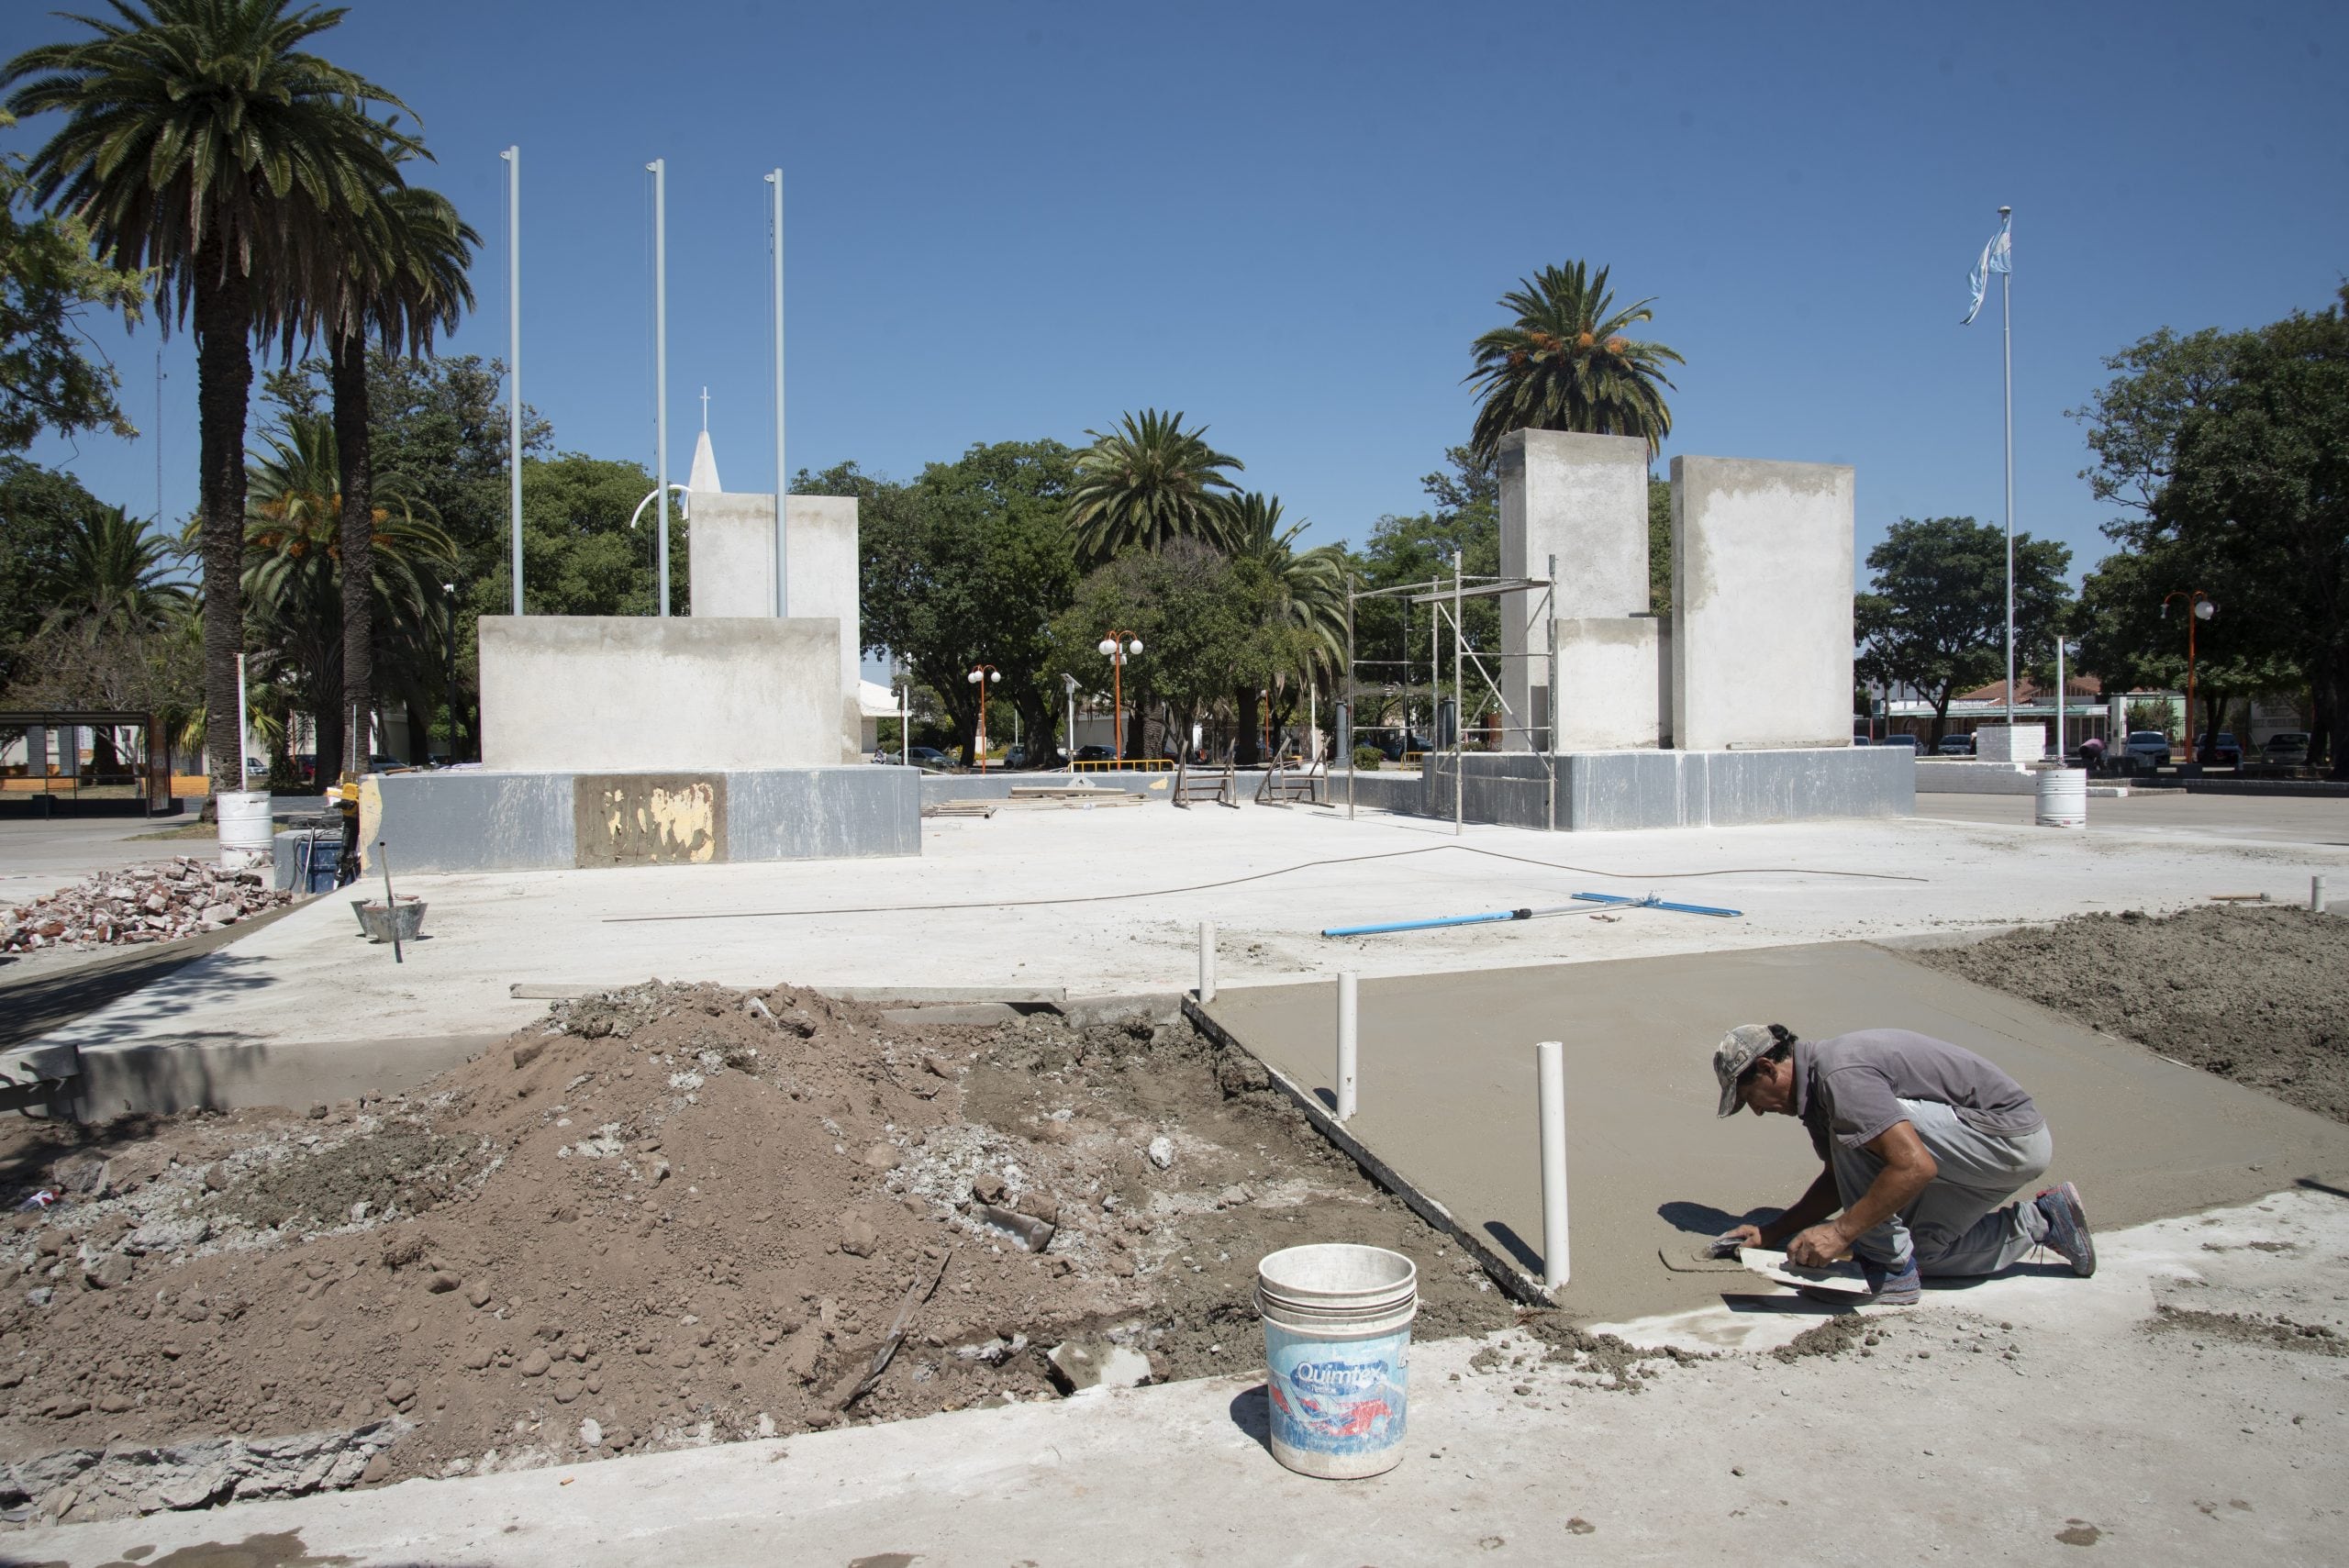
(1337, 1348)
(246, 829)
(2062, 797)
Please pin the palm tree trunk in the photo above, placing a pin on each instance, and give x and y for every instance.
(224, 383)
(352, 448)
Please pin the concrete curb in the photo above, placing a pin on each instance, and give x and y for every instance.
(1514, 1281)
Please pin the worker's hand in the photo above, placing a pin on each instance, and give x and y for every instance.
(1743, 1236)
(1817, 1247)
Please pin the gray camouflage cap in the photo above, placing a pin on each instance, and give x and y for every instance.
(1738, 1050)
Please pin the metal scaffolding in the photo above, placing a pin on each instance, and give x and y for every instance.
(1448, 603)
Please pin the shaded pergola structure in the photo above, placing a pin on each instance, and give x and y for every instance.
(142, 770)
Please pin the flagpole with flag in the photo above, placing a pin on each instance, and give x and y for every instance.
(1998, 256)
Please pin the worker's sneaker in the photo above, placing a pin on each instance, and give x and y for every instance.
(2068, 1228)
(1885, 1288)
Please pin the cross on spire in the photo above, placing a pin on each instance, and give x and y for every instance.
(705, 408)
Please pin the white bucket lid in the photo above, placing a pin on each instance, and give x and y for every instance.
(1339, 1277)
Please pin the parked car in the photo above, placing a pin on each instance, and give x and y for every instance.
(2287, 747)
(1908, 740)
(1396, 748)
(2219, 750)
(929, 760)
(2145, 750)
(1955, 746)
(1095, 754)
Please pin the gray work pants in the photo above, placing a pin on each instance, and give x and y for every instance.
(1955, 1228)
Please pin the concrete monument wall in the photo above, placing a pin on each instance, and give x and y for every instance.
(733, 573)
(1761, 604)
(1615, 675)
(1584, 500)
(610, 694)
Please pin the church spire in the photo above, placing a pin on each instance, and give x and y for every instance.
(704, 477)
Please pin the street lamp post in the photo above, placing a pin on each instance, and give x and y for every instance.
(2200, 608)
(983, 676)
(450, 590)
(1116, 648)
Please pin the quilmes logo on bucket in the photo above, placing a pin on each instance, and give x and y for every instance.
(1339, 1377)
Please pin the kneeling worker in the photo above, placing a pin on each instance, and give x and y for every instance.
(1921, 1142)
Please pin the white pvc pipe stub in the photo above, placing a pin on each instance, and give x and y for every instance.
(1349, 1011)
(1206, 961)
(1550, 1071)
(2316, 895)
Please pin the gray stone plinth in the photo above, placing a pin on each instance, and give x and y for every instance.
(1599, 791)
(466, 819)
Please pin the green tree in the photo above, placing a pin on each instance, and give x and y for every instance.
(1146, 482)
(1659, 546)
(203, 140)
(114, 573)
(41, 508)
(2129, 640)
(1394, 642)
(2260, 491)
(1566, 363)
(113, 595)
(968, 565)
(2133, 420)
(1303, 594)
(1198, 618)
(48, 285)
(1935, 619)
(295, 570)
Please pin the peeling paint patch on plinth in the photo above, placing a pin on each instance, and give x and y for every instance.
(650, 819)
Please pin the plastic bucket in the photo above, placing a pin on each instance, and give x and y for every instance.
(246, 827)
(2062, 797)
(1337, 1346)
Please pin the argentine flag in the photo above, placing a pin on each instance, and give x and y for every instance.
(1998, 256)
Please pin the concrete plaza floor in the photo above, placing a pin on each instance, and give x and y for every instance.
(2258, 818)
(1445, 1093)
(1105, 901)
(2035, 1416)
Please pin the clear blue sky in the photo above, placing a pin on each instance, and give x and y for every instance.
(1014, 219)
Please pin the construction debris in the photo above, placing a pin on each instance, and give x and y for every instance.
(140, 904)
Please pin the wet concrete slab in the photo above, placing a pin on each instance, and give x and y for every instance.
(1446, 1099)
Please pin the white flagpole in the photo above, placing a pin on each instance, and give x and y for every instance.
(660, 363)
(513, 156)
(2007, 302)
(781, 564)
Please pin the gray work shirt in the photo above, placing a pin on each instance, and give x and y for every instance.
(1850, 1087)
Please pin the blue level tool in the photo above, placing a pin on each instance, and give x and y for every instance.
(1652, 902)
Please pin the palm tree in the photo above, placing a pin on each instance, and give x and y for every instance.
(1148, 481)
(204, 141)
(113, 577)
(405, 285)
(298, 578)
(1306, 605)
(1567, 365)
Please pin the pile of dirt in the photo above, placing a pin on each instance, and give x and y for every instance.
(139, 904)
(2256, 994)
(669, 1215)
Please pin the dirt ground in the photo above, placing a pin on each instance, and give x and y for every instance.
(2256, 994)
(669, 1215)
